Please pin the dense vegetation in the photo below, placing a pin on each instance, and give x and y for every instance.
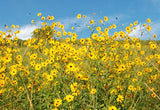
(56, 70)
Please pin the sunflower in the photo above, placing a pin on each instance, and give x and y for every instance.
(69, 98)
(57, 102)
(112, 108)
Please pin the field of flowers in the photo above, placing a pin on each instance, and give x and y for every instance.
(56, 70)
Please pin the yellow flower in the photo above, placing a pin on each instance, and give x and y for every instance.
(98, 28)
(64, 33)
(84, 16)
(112, 108)
(154, 35)
(19, 58)
(13, 72)
(42, 18)
(49, 77)
(139, 73)
(138, 45)
(14, 82)
(153, 95)
(26, 72)
(1, 91)
(18, 31)
(17, 26)
(126, 46)
(93, 91)
(2, 83)
(122, 67)
(135, 23)
(101, 21)
(59, 34)
(2, 76)
(91, 22)
(120, 98)
(149, 20)
(106, 30)
(153, 46)
(82, 41)
(69, 33)
(69, 98)
(139, 88)
(13, 26)
(73, 38)
(78, 76)
(71, 66)
(37, 67)
(49, 17)
(54, 72)
(148, 28)
(74, 87)
(47, 32)
(62, 26)
(94, 36)
(130, 87)
(52, 18)
(131, 25)
(8, 36)
(39, 14)
(32, 21)
(57, 102)
(144, 25)
(105, 18)
(128, 29)
(114, 91)
(114, 26)
(78, 16)
(72, 27)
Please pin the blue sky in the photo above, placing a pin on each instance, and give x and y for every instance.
(21, 12)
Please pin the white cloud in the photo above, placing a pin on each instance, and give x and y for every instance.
(142, 33)
(156, 29)
(26, 31)
(138, 32)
